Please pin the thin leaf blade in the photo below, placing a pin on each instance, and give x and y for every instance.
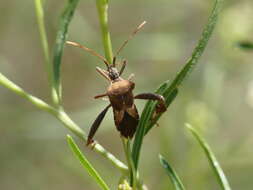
(145, 117)
(172, 174)
(172, 90)
(211, 158)
(199, 49)
(245, 45)
(65, 19)
(86, 164)
(168, 99)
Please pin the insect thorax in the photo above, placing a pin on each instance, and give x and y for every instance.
(120, 87)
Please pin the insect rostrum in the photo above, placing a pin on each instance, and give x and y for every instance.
(120, 94)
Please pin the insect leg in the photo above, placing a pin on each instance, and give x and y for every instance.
(160, 107)
(122, 67)
(130, 76)
(96, 124)
(100, 95)
(104, 73)
(114, 62)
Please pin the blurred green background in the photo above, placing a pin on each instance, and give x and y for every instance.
(217, 98)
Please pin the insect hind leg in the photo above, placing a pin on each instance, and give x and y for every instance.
(160, 107)
(96, 125)
(122, 67)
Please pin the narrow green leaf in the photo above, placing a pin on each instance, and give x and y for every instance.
(145, 117)
(169, 98)
(170, 92)
(59, 44)
(245, 45)
(198, 51)
(211, 158)
(86, 164)
(172, 174)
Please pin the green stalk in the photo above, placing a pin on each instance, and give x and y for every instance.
(128, 154)
(44, 42)
(63, 118)
(102, 7)
(4, 81)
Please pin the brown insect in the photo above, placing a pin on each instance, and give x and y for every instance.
(120, 94)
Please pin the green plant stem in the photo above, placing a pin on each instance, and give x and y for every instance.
(19, 91)
(44, 42)
(102, 7)
(62, 116)
(132, 171)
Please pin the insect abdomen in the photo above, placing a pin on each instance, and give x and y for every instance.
(128, 125)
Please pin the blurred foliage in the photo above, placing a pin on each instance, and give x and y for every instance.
(217, 98)
(245, 45)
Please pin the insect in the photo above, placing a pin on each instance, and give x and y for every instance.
(120, 94)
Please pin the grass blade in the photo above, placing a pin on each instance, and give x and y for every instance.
(169, 98)
(211, 158)
(86, 164)
(59, 44)
(145, 117)
(172, 174)
(199, 49)
(170, 91)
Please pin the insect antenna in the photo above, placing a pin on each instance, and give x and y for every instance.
(130, 37)
(114, 62)
(91, 51)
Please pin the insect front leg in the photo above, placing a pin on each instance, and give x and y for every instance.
(131, 76)
(96, 124)
(160, 107)
(103, 72)
(122, 67)
(100, 95)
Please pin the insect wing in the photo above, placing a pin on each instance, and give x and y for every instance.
(126, 121)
